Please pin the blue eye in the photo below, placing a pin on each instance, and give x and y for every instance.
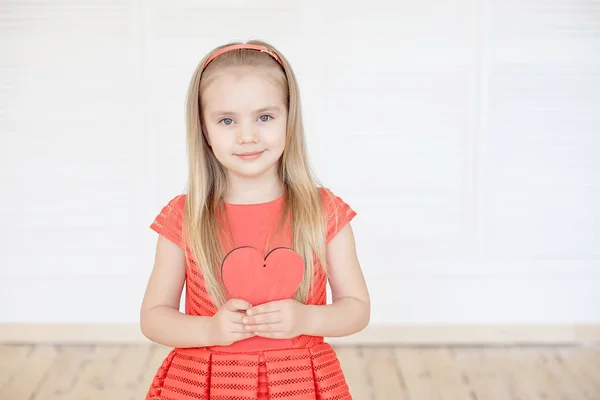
(226, 121)
(265, 118)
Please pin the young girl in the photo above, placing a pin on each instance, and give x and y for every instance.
(255, 240)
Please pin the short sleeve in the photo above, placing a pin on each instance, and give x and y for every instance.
(338, 212)
(169, 221)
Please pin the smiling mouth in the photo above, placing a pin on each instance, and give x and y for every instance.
(250, 155)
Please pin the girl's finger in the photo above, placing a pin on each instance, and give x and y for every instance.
(265, 308)
(237, 317)
(237, 305)
(274, 328)
(267, 318)
(238, 328)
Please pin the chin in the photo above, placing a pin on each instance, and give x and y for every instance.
(249, 172)
(253, 170)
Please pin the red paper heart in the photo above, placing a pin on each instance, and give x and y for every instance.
(249, 276)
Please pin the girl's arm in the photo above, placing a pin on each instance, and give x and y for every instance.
(351, 308)
(160, 318)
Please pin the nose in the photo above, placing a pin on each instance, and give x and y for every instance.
(248, 134)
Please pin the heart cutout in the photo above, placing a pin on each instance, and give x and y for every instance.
(248, 276)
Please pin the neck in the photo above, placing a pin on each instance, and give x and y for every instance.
(250, 190)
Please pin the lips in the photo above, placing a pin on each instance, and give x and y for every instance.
(250, 153)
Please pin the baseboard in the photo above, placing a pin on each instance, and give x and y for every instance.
(374, 335)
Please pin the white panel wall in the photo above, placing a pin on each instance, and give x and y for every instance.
(463, 133)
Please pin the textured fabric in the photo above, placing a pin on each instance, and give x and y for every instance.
(308, 369)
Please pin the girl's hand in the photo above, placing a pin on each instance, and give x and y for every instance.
(283, 319)
(225, 327)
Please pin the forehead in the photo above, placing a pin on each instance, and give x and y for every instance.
(241, 89)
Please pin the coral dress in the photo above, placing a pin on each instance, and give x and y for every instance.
(305, 367)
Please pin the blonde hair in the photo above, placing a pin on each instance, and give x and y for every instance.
(207, 179)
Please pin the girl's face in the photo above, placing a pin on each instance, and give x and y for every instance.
(245, 118)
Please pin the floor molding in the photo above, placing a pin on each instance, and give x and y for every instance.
(373, 335)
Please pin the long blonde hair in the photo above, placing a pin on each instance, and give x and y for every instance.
(207, 179)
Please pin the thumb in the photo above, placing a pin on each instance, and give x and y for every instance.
(237, 305)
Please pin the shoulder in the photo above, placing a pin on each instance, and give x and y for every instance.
(174, 208)
(325, 193)
(169, 220)
(328, 197)
(330, 200)
(337, 212)
(177, 203)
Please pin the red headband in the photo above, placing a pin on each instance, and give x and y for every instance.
(243, 46)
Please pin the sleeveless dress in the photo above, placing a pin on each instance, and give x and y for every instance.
(307, 368)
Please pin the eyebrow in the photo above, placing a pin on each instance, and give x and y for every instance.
(260, 110)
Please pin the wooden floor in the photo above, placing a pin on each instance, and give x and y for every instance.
(124, 372)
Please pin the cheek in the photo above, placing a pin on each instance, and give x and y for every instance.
(276, 136)
(218, 137)
(219, 143)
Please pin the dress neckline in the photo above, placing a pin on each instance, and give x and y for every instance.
(264, 203)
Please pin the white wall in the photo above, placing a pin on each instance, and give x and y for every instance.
(464, 133)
